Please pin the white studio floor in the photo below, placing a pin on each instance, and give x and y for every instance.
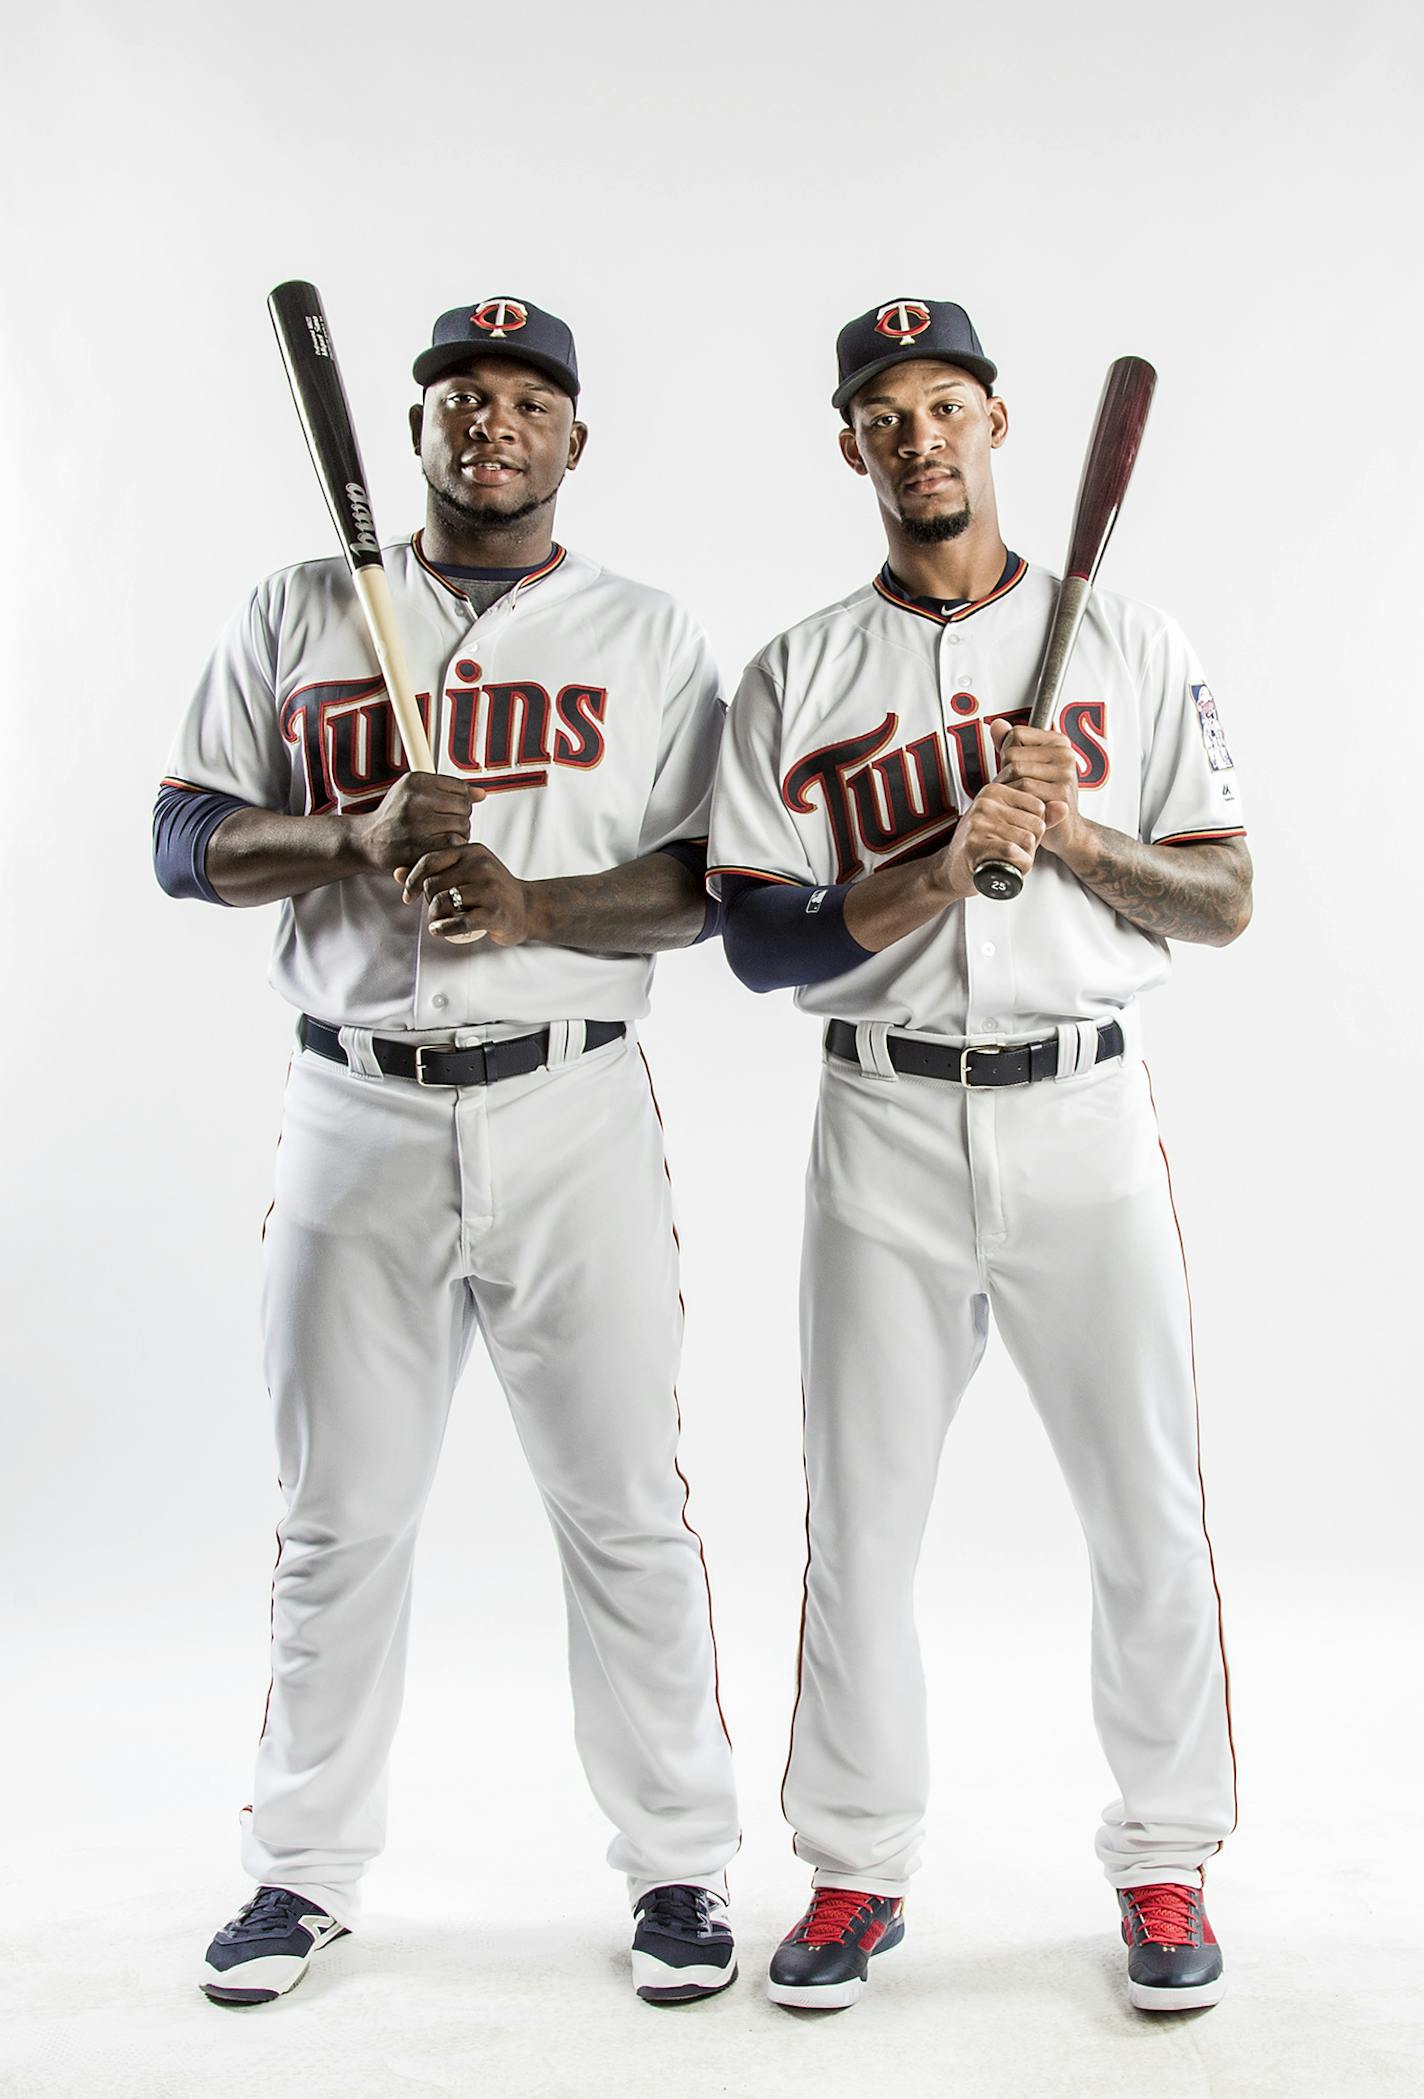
(492, 1958)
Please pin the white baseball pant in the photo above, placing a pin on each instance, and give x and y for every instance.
(930, 1208)
(538, 1212)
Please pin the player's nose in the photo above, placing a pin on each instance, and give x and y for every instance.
(485, 420)
(919, 434)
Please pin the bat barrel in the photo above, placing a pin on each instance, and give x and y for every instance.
(304, 339)
(1112, 454)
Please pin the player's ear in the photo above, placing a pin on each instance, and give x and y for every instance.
(417, 419)
(578, 438)
(850, 451)
(998, 420)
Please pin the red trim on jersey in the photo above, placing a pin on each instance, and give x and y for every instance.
(535, 575)
(676, 1465)
(191, 787)
(1199, 837)
(1201, 1482)
(949, 619)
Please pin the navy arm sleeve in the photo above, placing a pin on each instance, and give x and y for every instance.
(779, 934)
(692, 854)
(184, 819)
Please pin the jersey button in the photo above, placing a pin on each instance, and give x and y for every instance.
(440, 1002)
(988, 948)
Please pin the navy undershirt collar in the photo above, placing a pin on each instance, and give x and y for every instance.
(489, 575)
(940, 606)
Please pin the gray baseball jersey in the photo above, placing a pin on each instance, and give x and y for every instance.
(584, 704)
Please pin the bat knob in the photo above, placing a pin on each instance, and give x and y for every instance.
(997, 880)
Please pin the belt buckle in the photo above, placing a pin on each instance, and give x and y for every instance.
(994, 1048)
(441, 1049)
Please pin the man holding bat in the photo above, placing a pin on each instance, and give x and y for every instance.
(470, 1143)
(985, 1143)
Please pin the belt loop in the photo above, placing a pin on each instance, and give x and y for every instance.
(1087, 1044)
(872, 1047)
(360, 1057)
(1067, 1033)
(566, 1041)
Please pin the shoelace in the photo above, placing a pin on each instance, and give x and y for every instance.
(684, 1910)
(1165, 1913)
(832, 1913)
(271, 1914)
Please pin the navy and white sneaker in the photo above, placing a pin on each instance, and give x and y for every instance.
(822, 1963)
(267, 1948)
(682, 1947)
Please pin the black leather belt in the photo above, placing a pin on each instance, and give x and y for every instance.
(984, 1064)
(442, 1064)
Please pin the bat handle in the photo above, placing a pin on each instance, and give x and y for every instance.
(998, 879)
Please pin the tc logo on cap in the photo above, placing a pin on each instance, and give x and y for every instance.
(903, 321)
(499, 317)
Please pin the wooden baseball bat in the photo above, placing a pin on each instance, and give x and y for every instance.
(1112, 454)
(305, 342)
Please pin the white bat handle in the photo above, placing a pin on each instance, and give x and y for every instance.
(374, 590)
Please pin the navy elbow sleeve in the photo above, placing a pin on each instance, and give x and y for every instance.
(184, 819)
(780, 934)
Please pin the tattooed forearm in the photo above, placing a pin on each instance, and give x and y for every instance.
(1181, 892)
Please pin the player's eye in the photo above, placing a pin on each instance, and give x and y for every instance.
(536, 408)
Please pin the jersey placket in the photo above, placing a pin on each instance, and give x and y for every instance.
(986, 928)
(440, 980)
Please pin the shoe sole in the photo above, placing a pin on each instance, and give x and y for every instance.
(1154, 1997)
(809, 1997)
(687, 1991)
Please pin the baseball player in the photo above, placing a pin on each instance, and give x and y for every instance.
(470, 1142)
(985, 1143)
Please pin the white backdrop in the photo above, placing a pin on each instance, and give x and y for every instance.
(1230, 190)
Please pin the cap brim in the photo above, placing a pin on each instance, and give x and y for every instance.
(977, 367)
(434, 363)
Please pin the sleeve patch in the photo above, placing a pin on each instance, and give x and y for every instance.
(1213, 735)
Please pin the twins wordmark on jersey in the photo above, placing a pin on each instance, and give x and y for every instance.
(887, 801)
(503, 736)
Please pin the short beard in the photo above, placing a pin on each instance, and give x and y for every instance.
(932, 531)
(458, 515)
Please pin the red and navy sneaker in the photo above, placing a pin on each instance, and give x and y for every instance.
(682, 1947)
(821, 1964)
(1173, 1960)
(267, 1948)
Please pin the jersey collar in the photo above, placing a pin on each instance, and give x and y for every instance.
(946, 611)
(526, 578)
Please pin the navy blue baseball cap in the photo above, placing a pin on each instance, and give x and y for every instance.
(907, 328)
(500, 327)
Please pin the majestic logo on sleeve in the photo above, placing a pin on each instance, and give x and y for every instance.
(500, 317)
(903, 321)
(505, 737)
(885, 801)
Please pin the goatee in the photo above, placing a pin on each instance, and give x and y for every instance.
(459, 514)
(932, 531)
